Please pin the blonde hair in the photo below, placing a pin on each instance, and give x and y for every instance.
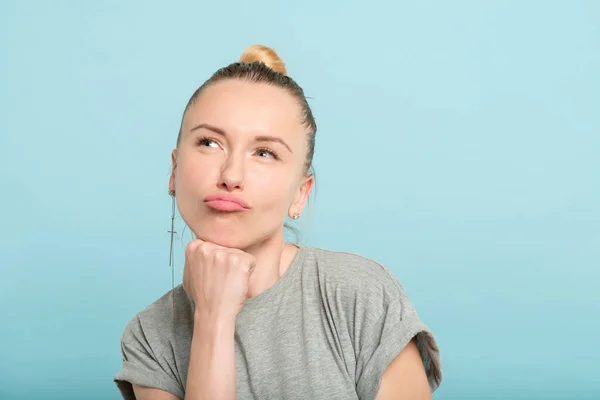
(265, 55)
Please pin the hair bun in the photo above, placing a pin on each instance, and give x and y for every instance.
(265, 55)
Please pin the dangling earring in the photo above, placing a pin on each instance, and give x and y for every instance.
(295, 216)
(172, 232)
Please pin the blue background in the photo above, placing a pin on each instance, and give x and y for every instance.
(458, 143)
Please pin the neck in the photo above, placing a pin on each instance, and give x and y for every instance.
(273, 258)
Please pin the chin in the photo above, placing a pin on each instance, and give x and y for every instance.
(234, 234)
(222, 238)
(230, 242)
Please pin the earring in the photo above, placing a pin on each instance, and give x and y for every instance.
(295, 216)
(172, 232)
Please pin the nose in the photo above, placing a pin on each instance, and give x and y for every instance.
(232, 174)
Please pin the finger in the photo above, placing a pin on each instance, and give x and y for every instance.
(192, 246)
(221, 257)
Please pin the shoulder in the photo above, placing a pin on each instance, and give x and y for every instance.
(355, 275)
(170, 310)
(150, 350)
(368, 302)
(352, 268)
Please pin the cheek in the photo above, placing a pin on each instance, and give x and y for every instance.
(196, 171)
(260, 178)
(272, 189)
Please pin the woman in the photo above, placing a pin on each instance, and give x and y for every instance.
(256, 317)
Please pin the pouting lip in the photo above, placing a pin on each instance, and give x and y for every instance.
(227, 197)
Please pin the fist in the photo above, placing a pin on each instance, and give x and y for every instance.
(216, 278)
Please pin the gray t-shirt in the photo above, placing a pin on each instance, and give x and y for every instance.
(327, 329)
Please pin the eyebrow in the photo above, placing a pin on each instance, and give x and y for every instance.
(261, 138)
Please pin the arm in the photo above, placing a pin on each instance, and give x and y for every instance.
(211, 371)
(148, 393)
(405, 377)
(216, 278)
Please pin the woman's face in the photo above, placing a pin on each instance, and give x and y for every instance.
(241, 142)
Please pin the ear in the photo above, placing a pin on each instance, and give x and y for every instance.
(173, 168)
(302, 195)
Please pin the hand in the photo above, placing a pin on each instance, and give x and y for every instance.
(216, 278)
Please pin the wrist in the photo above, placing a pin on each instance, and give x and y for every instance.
(218, 325)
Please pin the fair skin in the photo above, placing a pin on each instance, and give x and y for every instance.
(245, 139)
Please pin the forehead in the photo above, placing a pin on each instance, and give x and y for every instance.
(246, 108)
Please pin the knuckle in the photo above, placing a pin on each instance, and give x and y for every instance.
(190, 248)
(234, 259)
(193, 246)
(205, 249)
(221, 257)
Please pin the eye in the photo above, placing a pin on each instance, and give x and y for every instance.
(266, 153)
(207, 142)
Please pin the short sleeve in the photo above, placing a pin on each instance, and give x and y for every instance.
(387, 337)
(141, 365)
